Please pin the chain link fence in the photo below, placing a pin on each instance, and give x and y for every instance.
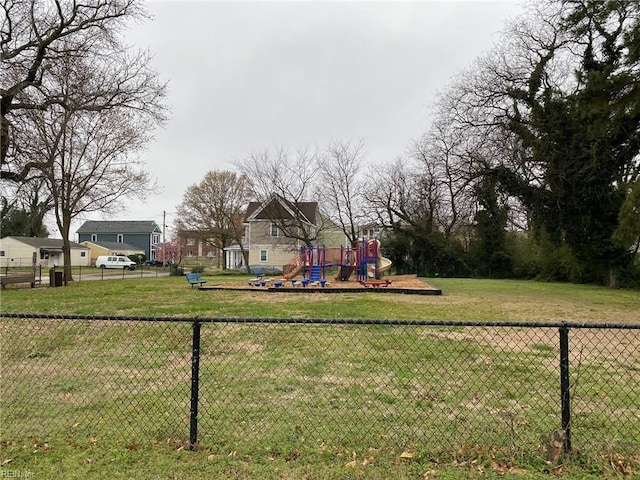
(255, 385)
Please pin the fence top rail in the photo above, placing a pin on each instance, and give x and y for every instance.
(321, 321)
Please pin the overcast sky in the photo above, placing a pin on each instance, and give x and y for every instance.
(249, 76)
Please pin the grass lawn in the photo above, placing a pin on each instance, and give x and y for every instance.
(305, 401)
(461, 299)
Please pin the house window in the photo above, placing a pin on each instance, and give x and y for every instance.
(191, 241)
(94, 237)
(155, 238)
(2, 253)
(120, 238)
(274, 230)
(83, 254)
(263, 255)
(190, 253)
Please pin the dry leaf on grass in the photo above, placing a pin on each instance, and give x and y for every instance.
(502, 469)
(351, 464)
(292, 456)
(429, 474)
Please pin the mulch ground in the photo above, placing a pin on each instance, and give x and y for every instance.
(397, 284)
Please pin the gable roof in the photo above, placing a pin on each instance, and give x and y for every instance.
(119, 226)
(279, 208)
(114, 246)
(45, 243)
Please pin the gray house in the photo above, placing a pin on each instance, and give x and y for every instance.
(143, 234)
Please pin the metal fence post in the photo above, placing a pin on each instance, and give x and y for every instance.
(195, 376)
(565, 386)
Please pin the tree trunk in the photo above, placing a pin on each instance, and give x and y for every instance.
(613, 278)
(245, 256)
(66, 248)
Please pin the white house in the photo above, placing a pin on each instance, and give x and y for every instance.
(46, 252)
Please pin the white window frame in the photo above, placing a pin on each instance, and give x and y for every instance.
(266, 256)
(274, 231)
(120, 238)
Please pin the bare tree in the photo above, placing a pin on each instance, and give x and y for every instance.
(213, 210)
(398, 194)
(87, 158)
(445, 157)
(35, 38)
(76, 104)
(285, 183)
(342, 185)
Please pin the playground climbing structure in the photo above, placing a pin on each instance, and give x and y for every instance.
(365, 260)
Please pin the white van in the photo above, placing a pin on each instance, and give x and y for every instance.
(115, 261)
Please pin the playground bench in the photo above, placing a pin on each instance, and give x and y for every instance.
(194, 279)
(375, 283)
(7, 279)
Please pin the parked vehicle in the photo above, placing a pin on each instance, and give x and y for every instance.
(115, 261)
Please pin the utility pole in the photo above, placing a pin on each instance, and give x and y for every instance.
(164, 239)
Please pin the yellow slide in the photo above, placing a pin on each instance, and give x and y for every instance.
(383, 263)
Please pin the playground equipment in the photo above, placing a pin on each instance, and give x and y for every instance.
(365, 259)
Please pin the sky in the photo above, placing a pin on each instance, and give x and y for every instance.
(245, 77)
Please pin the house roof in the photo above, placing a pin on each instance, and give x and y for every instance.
(44, 243)
(119, 226)
(279, 208)
(115, 246)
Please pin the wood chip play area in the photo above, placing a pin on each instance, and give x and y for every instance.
(407, 284)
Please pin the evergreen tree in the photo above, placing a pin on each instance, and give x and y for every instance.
(489, 245)
(585, 142)
(26, 218)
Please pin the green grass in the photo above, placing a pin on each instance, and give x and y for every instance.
(462, 299)
(111, 400)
